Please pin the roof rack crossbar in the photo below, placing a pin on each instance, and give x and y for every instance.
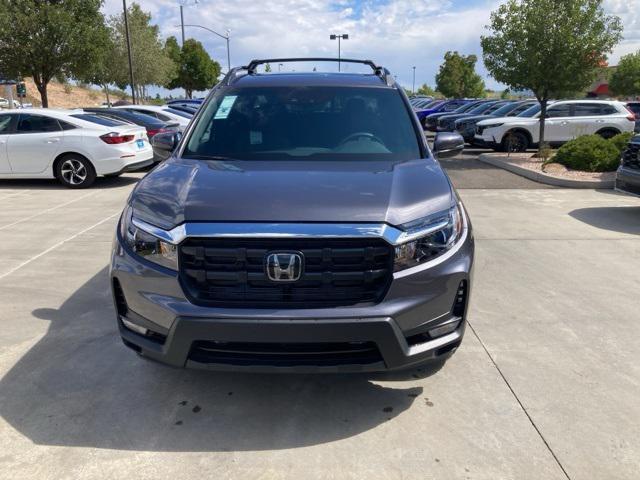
(254, 63)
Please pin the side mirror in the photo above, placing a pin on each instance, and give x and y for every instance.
(165, 143)
(448, 144)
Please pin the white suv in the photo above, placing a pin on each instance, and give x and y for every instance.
(566, 120)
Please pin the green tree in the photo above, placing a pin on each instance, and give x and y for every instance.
(550, 47)
(45, 39)
(625, 80)
(151, 63)
(457, 76)
(267, 68)
(103, 72)
(195, 68)
(426, 90)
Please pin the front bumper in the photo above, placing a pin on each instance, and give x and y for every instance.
(628, 180)
(396, 328)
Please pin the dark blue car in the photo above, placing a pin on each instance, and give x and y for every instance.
(431, 121)
(445, 106)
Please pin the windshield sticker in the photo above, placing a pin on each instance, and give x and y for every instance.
(255, 137)
(225, 107)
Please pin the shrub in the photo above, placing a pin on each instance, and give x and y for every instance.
(590, 153)
(621, 140)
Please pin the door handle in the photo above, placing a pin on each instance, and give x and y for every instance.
(52, 140)
(599, 121)
(564, 123)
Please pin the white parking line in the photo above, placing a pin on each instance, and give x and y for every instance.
(47, 210)
(26, 262)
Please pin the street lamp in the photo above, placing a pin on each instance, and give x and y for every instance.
(185, 3)
(343, 36)
(225, 36)
(413, 89)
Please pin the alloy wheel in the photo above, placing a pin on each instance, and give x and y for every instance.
(73, 171)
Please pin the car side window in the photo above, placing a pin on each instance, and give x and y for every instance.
(609, 110)
(559, 111)
(66, 125)
(5, 124)
(161, 116)
(29, 123)
(588, 110)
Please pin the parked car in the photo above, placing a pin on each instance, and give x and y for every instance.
(71, 146)
(4, 103)
(190, 109)
(422, 104)
(628, 174)
(467, 126)
(566, 119)
(431, 121)
(186, 102)
(152, 124)
(254, 248)
(635, 108)
(447, 123)
(164, 113)
(445, 106)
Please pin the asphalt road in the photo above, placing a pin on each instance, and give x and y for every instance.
(544, 386)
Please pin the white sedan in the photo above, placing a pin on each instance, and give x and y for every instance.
(164, 113)
(70, 145)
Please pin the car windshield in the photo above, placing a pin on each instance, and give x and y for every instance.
(502, 110)
(178, 112)
(269, 123)
(99, 119)
(530, 112)
(482, 108)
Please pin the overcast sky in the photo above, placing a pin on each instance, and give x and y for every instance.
(395, 33)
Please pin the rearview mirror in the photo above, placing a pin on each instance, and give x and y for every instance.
(165, 143)
(448, 144)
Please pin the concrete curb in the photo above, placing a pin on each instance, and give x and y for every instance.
(545, 178)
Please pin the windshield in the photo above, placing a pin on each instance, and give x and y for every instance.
(269, 123)
(481, 108)
(530, 112)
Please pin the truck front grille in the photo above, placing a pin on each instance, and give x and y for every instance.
(630, 157)
(337, 272)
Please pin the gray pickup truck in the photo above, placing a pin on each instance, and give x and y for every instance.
(301, 223)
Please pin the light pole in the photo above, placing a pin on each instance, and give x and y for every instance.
(413, 89)
(126, 29)
(343, 36)
(225, 36)
(185, 3)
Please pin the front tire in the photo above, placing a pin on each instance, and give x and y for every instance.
(75, 171)
(514, 142)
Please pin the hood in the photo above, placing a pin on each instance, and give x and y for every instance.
(519, 120)
(291, 191)
(476, 118)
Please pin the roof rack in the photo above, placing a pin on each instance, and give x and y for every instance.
(382, 72)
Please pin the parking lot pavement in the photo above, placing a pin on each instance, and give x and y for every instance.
(545, 384)
(466, 171)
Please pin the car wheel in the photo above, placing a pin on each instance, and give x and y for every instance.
(608, 133)
(514, 142)
(75, 171)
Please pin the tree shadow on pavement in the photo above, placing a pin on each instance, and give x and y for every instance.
(80, 386)
(617, 219)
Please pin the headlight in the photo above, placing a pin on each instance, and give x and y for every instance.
(146, 245)
(492, 125)
(444, 231)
